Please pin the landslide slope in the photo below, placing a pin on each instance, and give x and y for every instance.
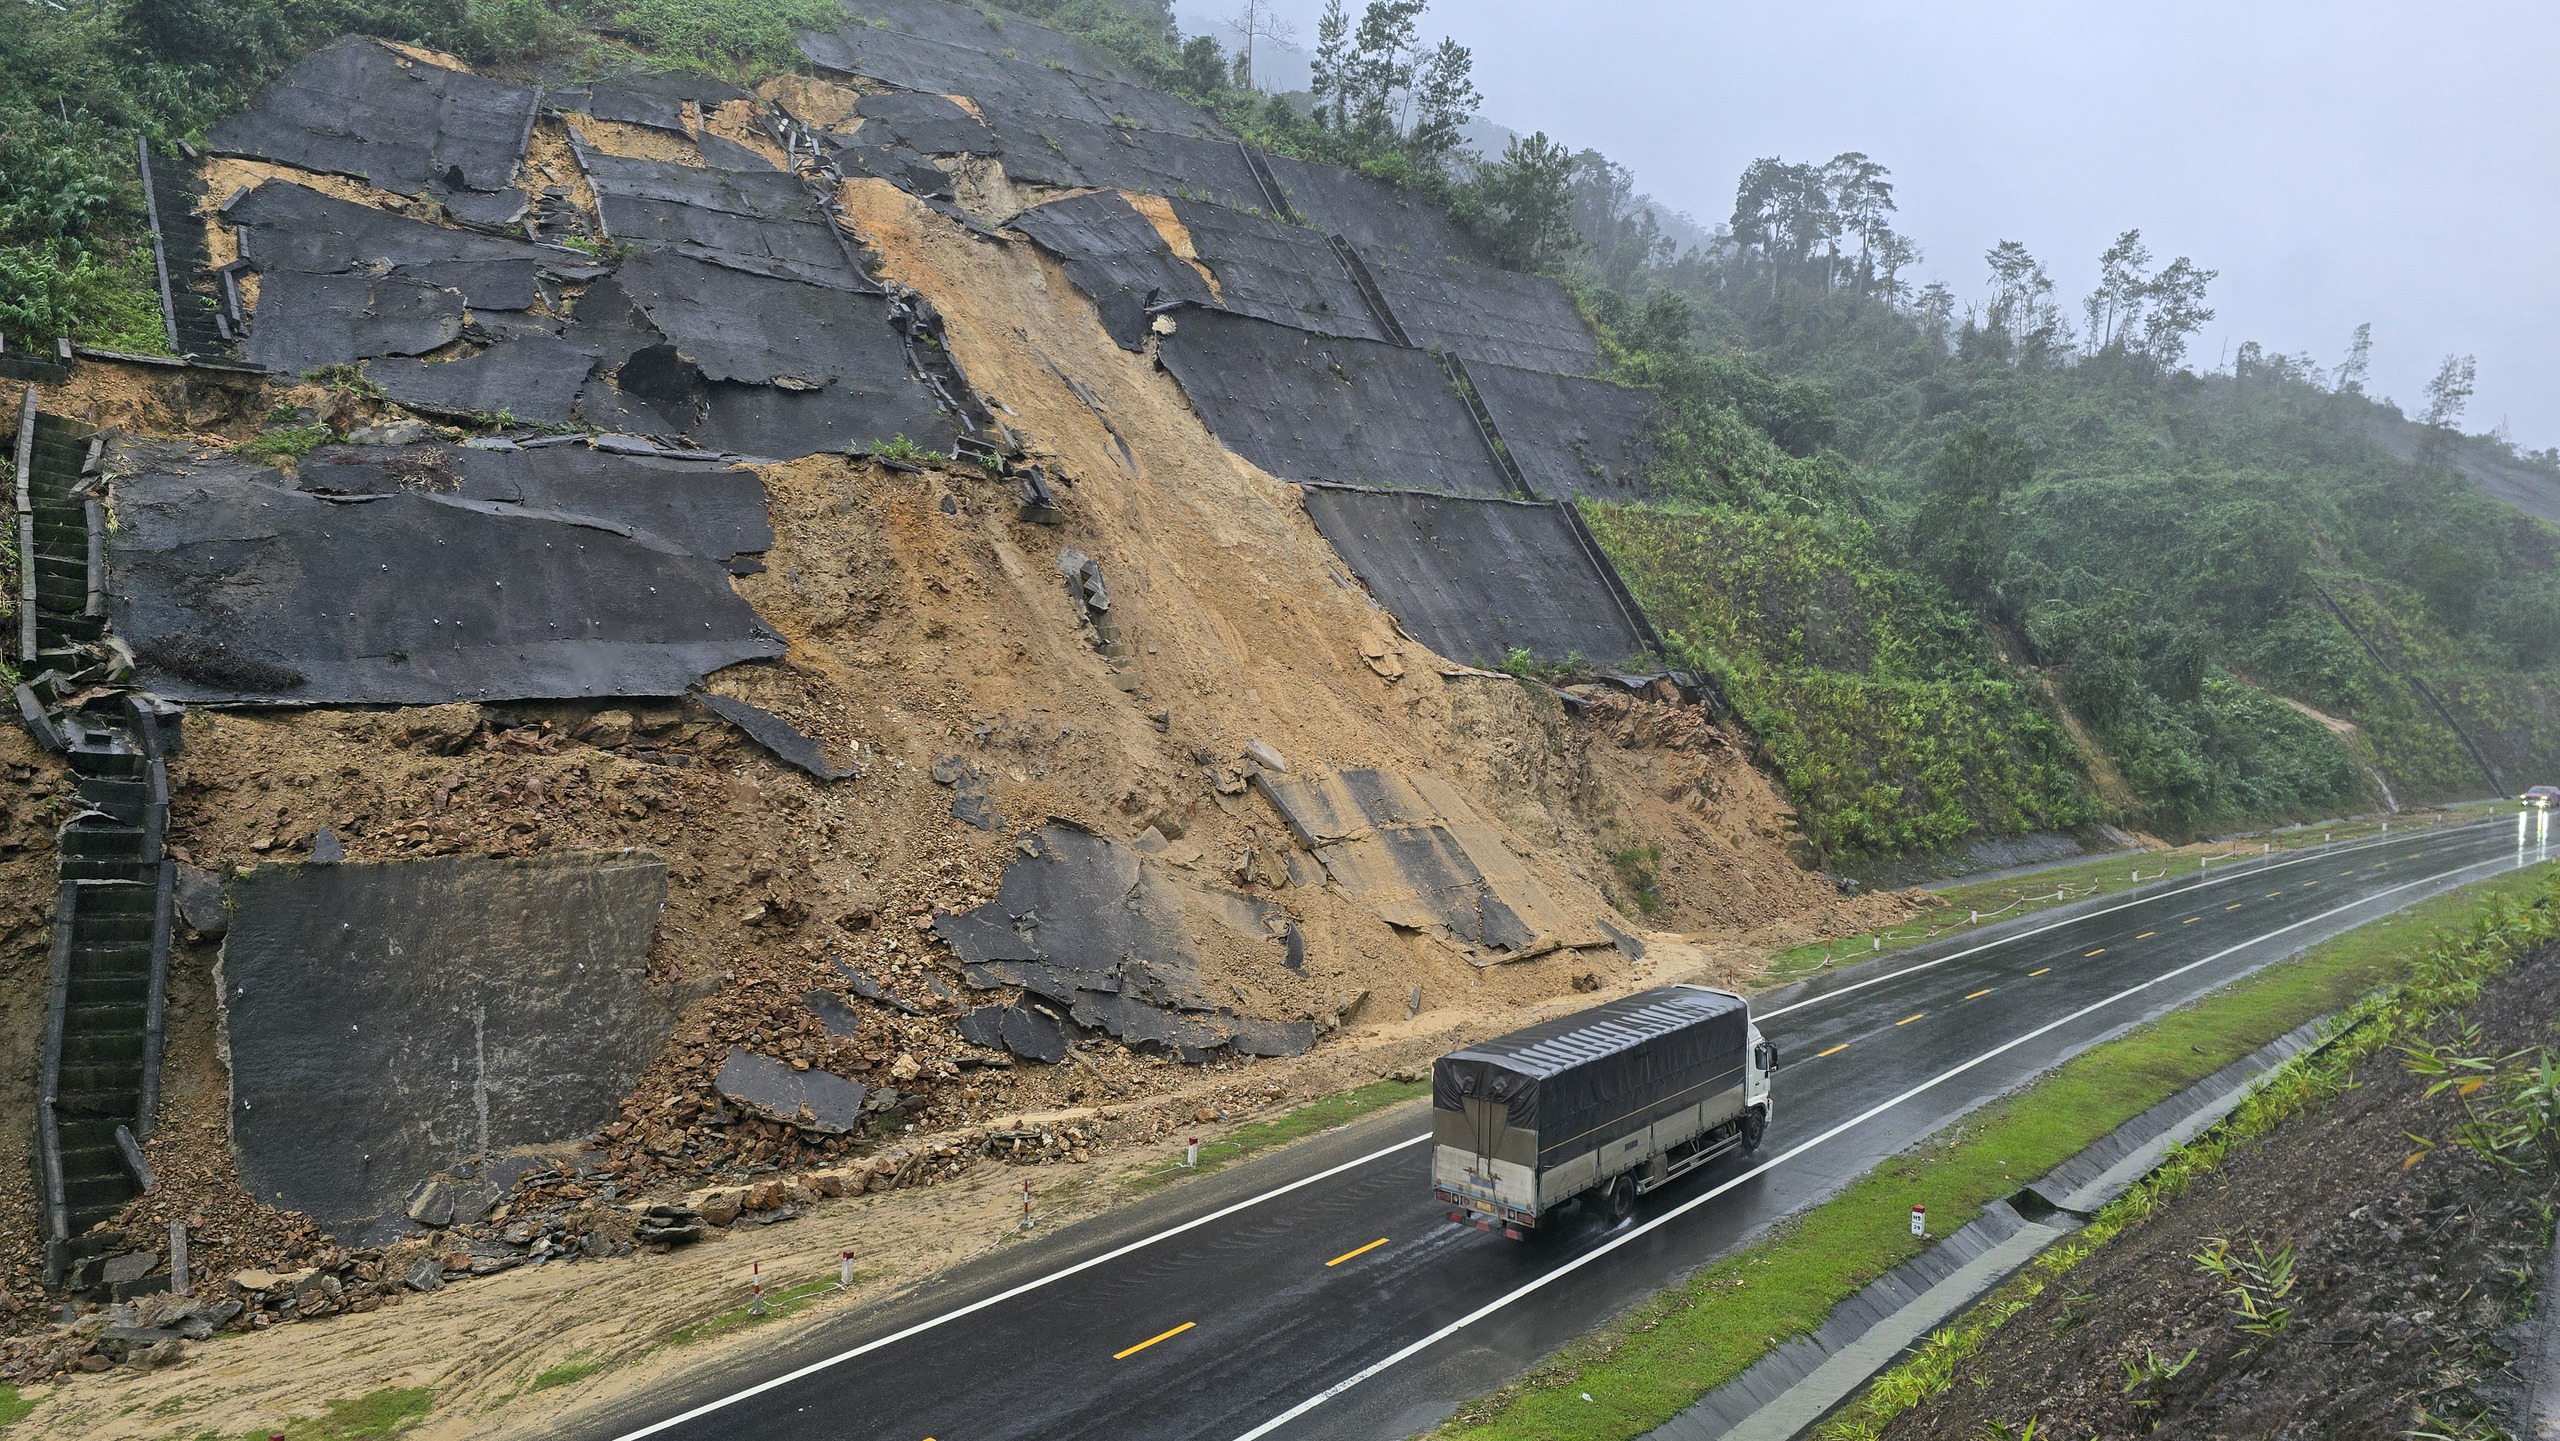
(1082, 769)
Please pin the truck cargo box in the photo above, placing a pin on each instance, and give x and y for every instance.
(1538, 1116)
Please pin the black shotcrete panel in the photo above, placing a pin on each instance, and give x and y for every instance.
(535, 380)
(357, 108)
(1004, 62)
(735, 325)
(1053, 150)
(912, 63)
(644, 98)
(1384, 222)
(713, 510)
(1279, 272)
(1569, 434)
(309, 322)
(283, 226)
(231, 586)
(1116, 258)
(1313, 407)
(760, 220)
(1475, 579)
(1483, 313)
(387, 1021)
(926, 124)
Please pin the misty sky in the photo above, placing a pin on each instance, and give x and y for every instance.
(2337, 162)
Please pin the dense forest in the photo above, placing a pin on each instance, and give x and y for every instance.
(1963, 564)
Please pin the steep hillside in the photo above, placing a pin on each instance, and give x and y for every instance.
(723, 631)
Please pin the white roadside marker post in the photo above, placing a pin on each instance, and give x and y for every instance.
(755, 1289)
(1026, 1205)
(1191, 1154)
(844, 1270)
(1919, 1220)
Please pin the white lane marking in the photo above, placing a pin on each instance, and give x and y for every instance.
(1587, 1257)
(2237, 874)
(1001, 1297)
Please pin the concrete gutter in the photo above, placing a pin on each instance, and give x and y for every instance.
(1788, 1391)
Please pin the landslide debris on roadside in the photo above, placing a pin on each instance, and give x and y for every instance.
(976, 699)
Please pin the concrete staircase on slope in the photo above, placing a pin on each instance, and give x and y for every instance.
(114, 897)
(61, 590)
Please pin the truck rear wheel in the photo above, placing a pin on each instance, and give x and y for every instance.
(1754, 1121)
(1622, 1197)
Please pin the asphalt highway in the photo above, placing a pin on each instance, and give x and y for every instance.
(1322, 1292)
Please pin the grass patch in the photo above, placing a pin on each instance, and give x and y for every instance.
(1962, 908)
(567, 1373)
(1656, 1360)
(292, 442)
(1292, 1125)
(787, 1301)
(386, 1412)
(14, 1408)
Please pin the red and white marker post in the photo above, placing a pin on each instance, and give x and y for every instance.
(1919, 1220)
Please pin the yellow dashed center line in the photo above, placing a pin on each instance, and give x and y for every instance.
(1835, 1050)
(2146, 935)
(1151, 1340)
(1907, 1020)
(1978, 995)
(2191, 920)
(1345, 1256)
(2031, 975)
(2235, 905)
(2100, 951)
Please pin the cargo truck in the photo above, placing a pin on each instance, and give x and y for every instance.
(1604, 1104)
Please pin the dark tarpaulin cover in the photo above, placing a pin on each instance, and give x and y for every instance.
(1475, 578)
(1483, 313)
(1283, 273)
(1313, 407)
(1584, 1079)
(232, 587)
(534, 381)
(1115, 257)
(309, 322)
(1569, 434)
(385, 1021)
(356, 108)
(783, 424)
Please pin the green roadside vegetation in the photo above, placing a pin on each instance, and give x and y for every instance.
(1982, 903)
(1911, 537)
(1653, 1362)
(375, 1414)
(13, 1407)
(2446, 978)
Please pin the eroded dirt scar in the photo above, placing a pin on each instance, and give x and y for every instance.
(2410, 1284)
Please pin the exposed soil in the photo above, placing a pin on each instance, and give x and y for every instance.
(2409, 1281)
(926, 620)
